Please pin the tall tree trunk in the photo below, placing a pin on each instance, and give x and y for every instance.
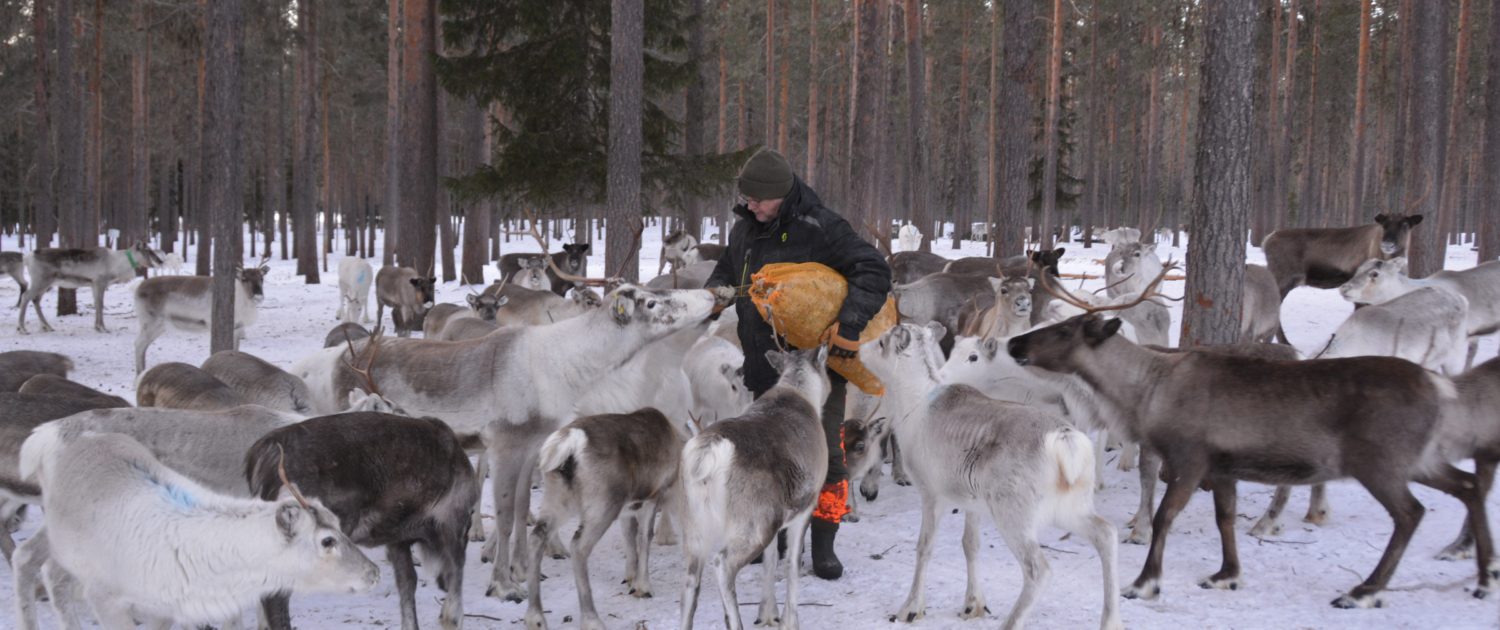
(197, 207)
(140, 155)
(223, 158)
(810, 172)
(1356, 170)
(1017, 115)
(442, 200)
(419, 139)
(304, 145)
(1216, 253)
(1049, 129)
(1489, 233)
(1285, 166)
(1452, 154)
(1150, 208)
(916, 116)
(1307, 200)
(991, 145)
(626, 92)
(864, 96)
(392, 210)
(1425, 189)
(477, 215)
(783, 108)
(44, 222)
(696, 106)
(770, 138)
(94, 173)
(963, 218)
(70, 180)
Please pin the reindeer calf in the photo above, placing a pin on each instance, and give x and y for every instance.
(176, 385)
(260, 383)
(54, 385)
(595, 468)
(186, 303)
(408, 294)
(18, 366)
(355, 278)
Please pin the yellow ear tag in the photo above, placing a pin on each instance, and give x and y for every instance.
(783, 237)
(620, 310)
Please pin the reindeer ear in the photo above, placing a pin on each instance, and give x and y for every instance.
(1398, 263)
(726, 369)
(1096, 332)
(502, 301)
(473, 301)
(1413, 220)
(265, 269)
(416, 282)
(991, 347)
(1030, 282)
(432, 279)
(289, 517)
(621, 306)
(937, 330)
(356, 396)
(1057, 254)
(877, 429)
(1381, 218)
(995, 284)
(777, 359)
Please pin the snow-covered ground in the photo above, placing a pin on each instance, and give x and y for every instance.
(1288, 580)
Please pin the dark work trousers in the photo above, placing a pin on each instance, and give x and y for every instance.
(833, 427)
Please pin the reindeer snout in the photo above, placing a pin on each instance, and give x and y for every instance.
(1387, 248)
(1017, 350)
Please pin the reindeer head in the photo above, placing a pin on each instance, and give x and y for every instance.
(586, 297)
(254, 280)
(804, 371)
(532, 274)
(426, 289)
(1376, 281)
(1121, 236)
(485, 305)
(577, 259)
(1395, 236)
(1045, 261)
(145, 256)
(1061, 347)
(677, 244)
(972, 362)
(1014, 296)
(316, 553)
(657, 313)
(904, 351)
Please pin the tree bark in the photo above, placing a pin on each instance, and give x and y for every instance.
(1216, 253)
(1489, 234)
(94, 149)
(626, 92)
(478, 215)
(222, 159)
(916, 117)
(392, 210)
(44, 222)
(70, 182)
(1049, 129)
(140, 155)
(1425, 189)
(305, 145)
(1356, 170)
(696, 106)
(770, 138)
(419, 139)
(1452, 147)
(1017, 115)
(814, 155)
(864, 96)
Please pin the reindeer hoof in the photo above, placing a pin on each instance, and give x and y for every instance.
(1264, 528)
(1318, 517)
(1216, 582)
(1146, 591)
(1349, 600)
(901, 480)
(505, 592)
(1457, 551)
(974, 611)
(476, 534)
(487, 553)
(535, 620)
(640, 592)
(1139, 536)
(910, 613)
(665, 540)
(774, 622)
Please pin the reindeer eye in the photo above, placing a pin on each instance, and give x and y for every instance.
(650, 303)
(1374, 274)
(1004, 291)
(973, 358)
(328, 542)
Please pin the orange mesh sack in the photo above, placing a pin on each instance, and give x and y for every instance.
(801, 300)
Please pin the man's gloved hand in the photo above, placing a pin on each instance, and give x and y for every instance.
(838, 344)
(723, 295)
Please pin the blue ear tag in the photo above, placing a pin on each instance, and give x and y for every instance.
(783, 237)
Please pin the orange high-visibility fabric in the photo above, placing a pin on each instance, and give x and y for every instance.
(801, 301)
(833, 502)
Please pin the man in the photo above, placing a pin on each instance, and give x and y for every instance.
(783, 221)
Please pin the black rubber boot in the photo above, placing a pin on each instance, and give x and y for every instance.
(826, 565)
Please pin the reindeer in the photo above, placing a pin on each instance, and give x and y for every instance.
(355, 278)
(392, 482)
(596, 467)
(1324, 258)
(466, 328)
(1425, 327)
(258, 382)
(1128, 266)
(746, 479)
(1220, 419)
(910, 237)
(910, 266)
(525, 307)
(186, 303)
(716, 375)
(171, 263)
(95, 268)
(54, 385)
(482, 307)
(1024, 466)
(13, 264)
(1380, 281)
(513, 387)
(1010, 315)
(573, 260)
(693, 276)
(176, 385)
(408, 295)
(947, 299)
(100, 489)
(17, 366)
(682, 250)
(529, 270)
(347, 331)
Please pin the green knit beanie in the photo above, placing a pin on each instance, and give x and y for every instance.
(767, 175)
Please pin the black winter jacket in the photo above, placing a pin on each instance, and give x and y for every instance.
(804, 231)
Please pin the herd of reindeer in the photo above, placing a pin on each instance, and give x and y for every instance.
(237, 483)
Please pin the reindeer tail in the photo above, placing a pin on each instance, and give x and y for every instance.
(1072, 454)
(562, 446)
(44, 443)
(706, 463)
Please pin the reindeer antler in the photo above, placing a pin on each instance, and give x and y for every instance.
(374, 346)
(531, 226)
(1146, 294)
(281, 472)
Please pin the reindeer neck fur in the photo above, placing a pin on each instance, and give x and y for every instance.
(570, 356)
(907, 397)
(1123, 375)
(805, 385)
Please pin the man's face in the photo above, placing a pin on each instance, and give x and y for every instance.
(765, 210)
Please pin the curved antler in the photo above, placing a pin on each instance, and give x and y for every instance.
(374, 346)
(1146, 294)
(568, 277)
(281, 472)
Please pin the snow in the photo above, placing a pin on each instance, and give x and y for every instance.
(1288, 581)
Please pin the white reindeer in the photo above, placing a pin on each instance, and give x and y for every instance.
(910, 237)
(746, 479)
(186, 303)
(1024, 466)
(113, 512)
(1379, 281)
(715, 373)
(355, 279)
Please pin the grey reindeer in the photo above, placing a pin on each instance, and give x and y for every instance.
(13, 264)
(1024, 466)
(96, 268)
(746, 479)
(1221, 419)
(598, 468)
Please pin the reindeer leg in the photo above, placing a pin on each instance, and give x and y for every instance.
(1406, 512)
(523, 512)
(507, 465)
(535, 620)
(1187, 474)
(726, 573)
(642, 587)
(1317, 506)
(26, 566)
(399, 556)
(65, 594)
(690, 589)
(452, 543)
(476, 519)
(666, 533)
(796, 529)
(99, 287)
(1020, 536)
(916, 601)
(1465, 487)
(1462, 548)
(1129, 453)
(974, 606)
(593, 523)
(898, 470)
(275, 612)
(769, 614)
(1270, 522)
(1228, 577)
(1103, 536)
(151, 328)
(1141, 525)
